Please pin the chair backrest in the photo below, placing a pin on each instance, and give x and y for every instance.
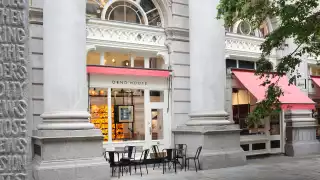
(144, 155)
(111, 157)
(171, 154)
(198, 152)
(131, 150)
(155, 150)
(105, 155)
(181, 149)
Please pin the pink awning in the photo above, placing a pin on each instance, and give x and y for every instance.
(127, 71)
(293, 98)
(316, 80)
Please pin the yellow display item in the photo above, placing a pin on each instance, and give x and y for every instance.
(99, 117)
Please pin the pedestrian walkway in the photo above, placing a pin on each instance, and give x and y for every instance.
(273, 168)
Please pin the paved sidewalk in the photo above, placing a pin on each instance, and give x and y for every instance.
(273, 168)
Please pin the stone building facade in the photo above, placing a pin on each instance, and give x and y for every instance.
(163, 76)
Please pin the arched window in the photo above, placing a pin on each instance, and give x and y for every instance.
(126, 12)
(244, 28)
(131, 11)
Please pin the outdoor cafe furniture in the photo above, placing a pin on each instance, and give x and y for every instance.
(195, 158)
(141, 161)
(181, 153)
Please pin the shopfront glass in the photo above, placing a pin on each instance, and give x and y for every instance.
(126, 110)
(242, 104)
(116, 59)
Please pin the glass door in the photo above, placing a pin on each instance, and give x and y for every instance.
(275, 128)
(158, 126)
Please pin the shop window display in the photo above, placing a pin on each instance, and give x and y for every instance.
(243, 103)
(127, 113)
(99, 110)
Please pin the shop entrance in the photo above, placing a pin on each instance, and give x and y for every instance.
(267, 136)
(130, 112)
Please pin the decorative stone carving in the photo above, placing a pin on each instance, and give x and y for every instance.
(125, 34)
(246, 44)
(177, 34)
(13, 89)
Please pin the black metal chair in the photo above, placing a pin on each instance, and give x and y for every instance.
(157, 156)
(113, 164)
(131, 153)
(128, 156)
(171, 157)
(142, 161)
(181, 153)
(195, 158)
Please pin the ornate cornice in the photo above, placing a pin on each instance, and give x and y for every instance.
(176, 34)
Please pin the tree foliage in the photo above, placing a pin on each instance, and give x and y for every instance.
(298, 20)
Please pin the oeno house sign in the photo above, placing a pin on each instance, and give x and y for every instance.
(131, 82)
(13, 89)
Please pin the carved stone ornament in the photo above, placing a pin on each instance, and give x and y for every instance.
(177, 34)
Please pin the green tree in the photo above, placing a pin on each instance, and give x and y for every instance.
(298, 20)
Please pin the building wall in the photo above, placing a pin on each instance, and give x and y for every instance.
(36, 58)
(180, 61)
(177, 31)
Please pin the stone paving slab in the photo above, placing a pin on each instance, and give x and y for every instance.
(274, 168)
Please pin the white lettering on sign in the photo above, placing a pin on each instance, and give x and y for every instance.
(141, 83)
(13, 89)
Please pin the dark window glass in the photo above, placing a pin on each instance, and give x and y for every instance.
(258, 146)
(275, 144)
(245, 147)
(246, 64)
(231, 63)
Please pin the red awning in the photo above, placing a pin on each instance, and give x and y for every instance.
(293, 98)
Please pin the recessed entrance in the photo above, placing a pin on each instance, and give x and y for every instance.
(130, 109)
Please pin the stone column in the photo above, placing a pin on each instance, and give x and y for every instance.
(300, 133)
(66, 145)
(209, 126)
(302, 69)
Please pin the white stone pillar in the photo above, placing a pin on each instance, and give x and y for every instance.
(132, 57)
(146, 62)
(207, 64)
(102, 60)
(65, 83)
(66, 145)
(209, 125)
